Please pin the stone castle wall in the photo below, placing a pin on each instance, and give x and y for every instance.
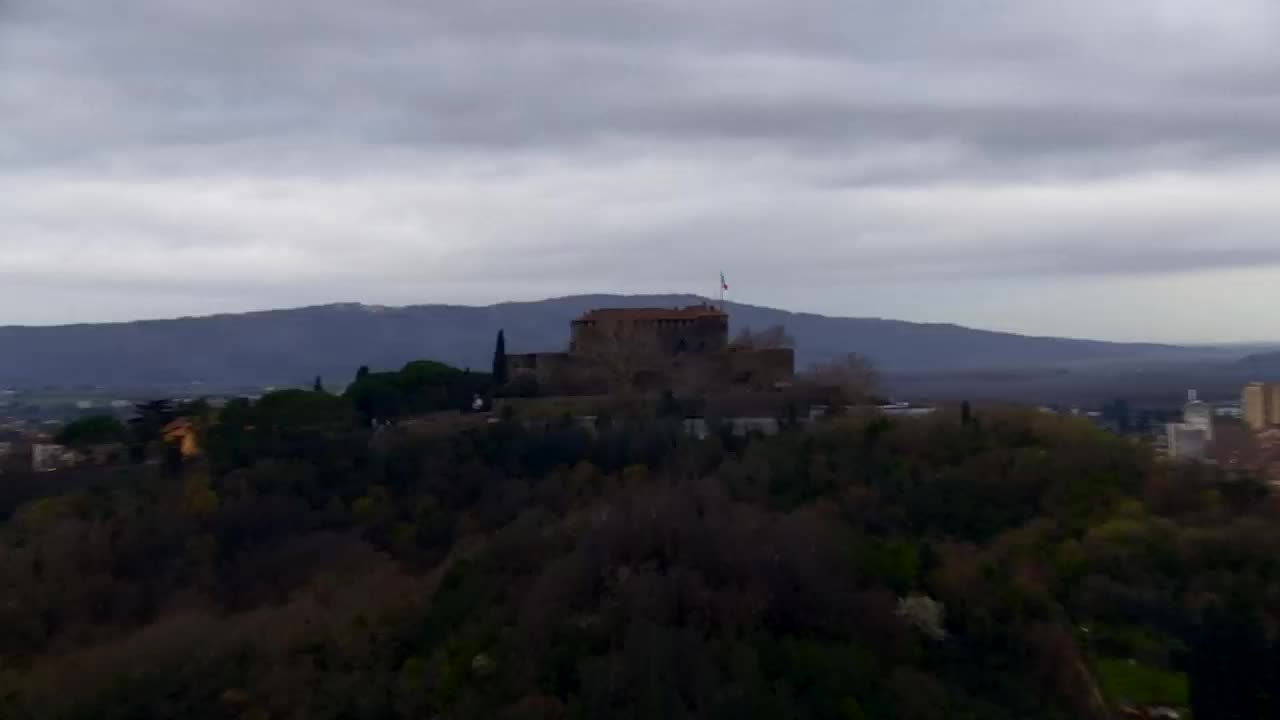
(686, 349)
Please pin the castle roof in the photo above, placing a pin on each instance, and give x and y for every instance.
(692, 312)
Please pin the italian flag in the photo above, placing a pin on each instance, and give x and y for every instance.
(723, 285)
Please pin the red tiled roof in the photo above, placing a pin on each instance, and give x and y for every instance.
(692, 312)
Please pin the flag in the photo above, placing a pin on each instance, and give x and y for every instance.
(723, 285)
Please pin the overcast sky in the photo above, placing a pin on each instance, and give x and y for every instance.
(1090, 168)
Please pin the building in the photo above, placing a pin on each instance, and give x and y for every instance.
(1261, 405)
(1187, 443)
(1233, 446)
(1265, 462)
(1229, 410)
(1253, 400)
(693, 329)
(1198, 415)
(47, 457)
(547, 368)
(183, 433)
(651, 348)
(1191, 438)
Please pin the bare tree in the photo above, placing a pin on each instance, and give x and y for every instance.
(852, 375)
(775, 336)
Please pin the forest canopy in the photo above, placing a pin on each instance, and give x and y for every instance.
(1000, 565)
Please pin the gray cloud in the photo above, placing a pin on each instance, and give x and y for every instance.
(854, 157)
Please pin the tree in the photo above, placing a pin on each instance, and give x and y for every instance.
(295, 409)
(377, 397)
(429, 386)
(93, 430)
(318, 386)
(500, 360)
(428, 373)
(362, 373)
(853, 376)
(422, 386)
(150, 419)
(775, 336)
(867, 568)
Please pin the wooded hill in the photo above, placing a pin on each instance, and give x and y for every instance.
(998, 565)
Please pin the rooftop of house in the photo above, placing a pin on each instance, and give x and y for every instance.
(691, 312)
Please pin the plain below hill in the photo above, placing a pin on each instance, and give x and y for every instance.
(292, 346)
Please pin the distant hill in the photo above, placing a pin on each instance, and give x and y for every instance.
(1262, 361)
(292, 346)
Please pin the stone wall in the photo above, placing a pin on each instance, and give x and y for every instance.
(545, 367)
(692, 330)
(685, 349)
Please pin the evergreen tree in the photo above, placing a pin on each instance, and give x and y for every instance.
(92, 430)
(150, 418)
(500, 361)
(362, 373)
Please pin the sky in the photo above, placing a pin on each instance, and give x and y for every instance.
(1092, 168)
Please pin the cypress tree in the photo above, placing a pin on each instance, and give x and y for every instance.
(500, 360)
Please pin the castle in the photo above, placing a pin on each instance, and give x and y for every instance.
(654, 348)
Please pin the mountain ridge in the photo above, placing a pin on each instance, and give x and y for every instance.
(292, 345)
(376, 307)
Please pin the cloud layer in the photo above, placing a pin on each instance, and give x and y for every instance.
(1093, 168)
